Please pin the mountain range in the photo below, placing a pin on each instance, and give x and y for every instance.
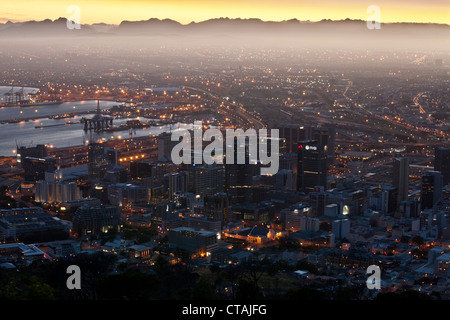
(222, 26)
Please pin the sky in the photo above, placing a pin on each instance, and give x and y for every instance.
(186, 11)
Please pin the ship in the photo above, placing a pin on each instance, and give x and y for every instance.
(40, 103)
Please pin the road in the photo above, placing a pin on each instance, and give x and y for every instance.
(245, 116)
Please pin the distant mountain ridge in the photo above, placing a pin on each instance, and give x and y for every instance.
(235, 26)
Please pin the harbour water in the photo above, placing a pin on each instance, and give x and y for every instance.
(56, 132)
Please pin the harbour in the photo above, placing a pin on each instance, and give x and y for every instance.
(61, 126)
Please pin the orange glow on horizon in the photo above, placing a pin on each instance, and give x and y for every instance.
(115, 11)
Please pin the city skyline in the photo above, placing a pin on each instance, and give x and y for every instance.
(185, 12)
(314, 161)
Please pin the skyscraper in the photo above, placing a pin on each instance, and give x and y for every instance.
(165, 146)
(177, 181)
(400, 177)
(292, 134)
(35, 168)
(100, 160)
(40, 151)
(432, 183)
(325, 137)
(217, 206)
(442, 163)
(206, 179)
(239, 177)
(311, 166)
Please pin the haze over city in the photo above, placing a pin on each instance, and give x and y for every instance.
(93, 197)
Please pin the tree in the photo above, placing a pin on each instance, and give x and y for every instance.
(204, 290)
(406, 295)
(305, 265)
(131, 285)
(345, 293)
(22, 286)
(247, 290)
(305, 293)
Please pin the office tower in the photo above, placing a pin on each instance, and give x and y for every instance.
(311, 166)
(96, 219)
(432, 184)
(165, 146)
(297, 217)
(184, 200)
(40, 151)
(175, 182)
(116, 174)
(100, 159)
(288, 161)
(126, 194)
(239, 177)
(141, 169)
(318, 199)
(205, 180)
(389, 196)
(410, 208)
(217, 206)
(286, 179)
(35, 168)
(340, 228)
(442, 163)
(292, 134)
(325, 137)
(238, 181)
(400, 177)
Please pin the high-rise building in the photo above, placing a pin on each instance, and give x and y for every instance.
(127, 194)
(100, 159)
(442, 163)
(340, 228)
(400, 177)
(206, 179)
(432, 184)
(325, 137)
(165, 146)
(297, 218)
(35, 168)
(389, 196)
(286, 179)
(40, 151)
(116, 174)
(238, 181)
(217, 206)
(141, 169)
(311, 166)
(175, 182)
(292, 134)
